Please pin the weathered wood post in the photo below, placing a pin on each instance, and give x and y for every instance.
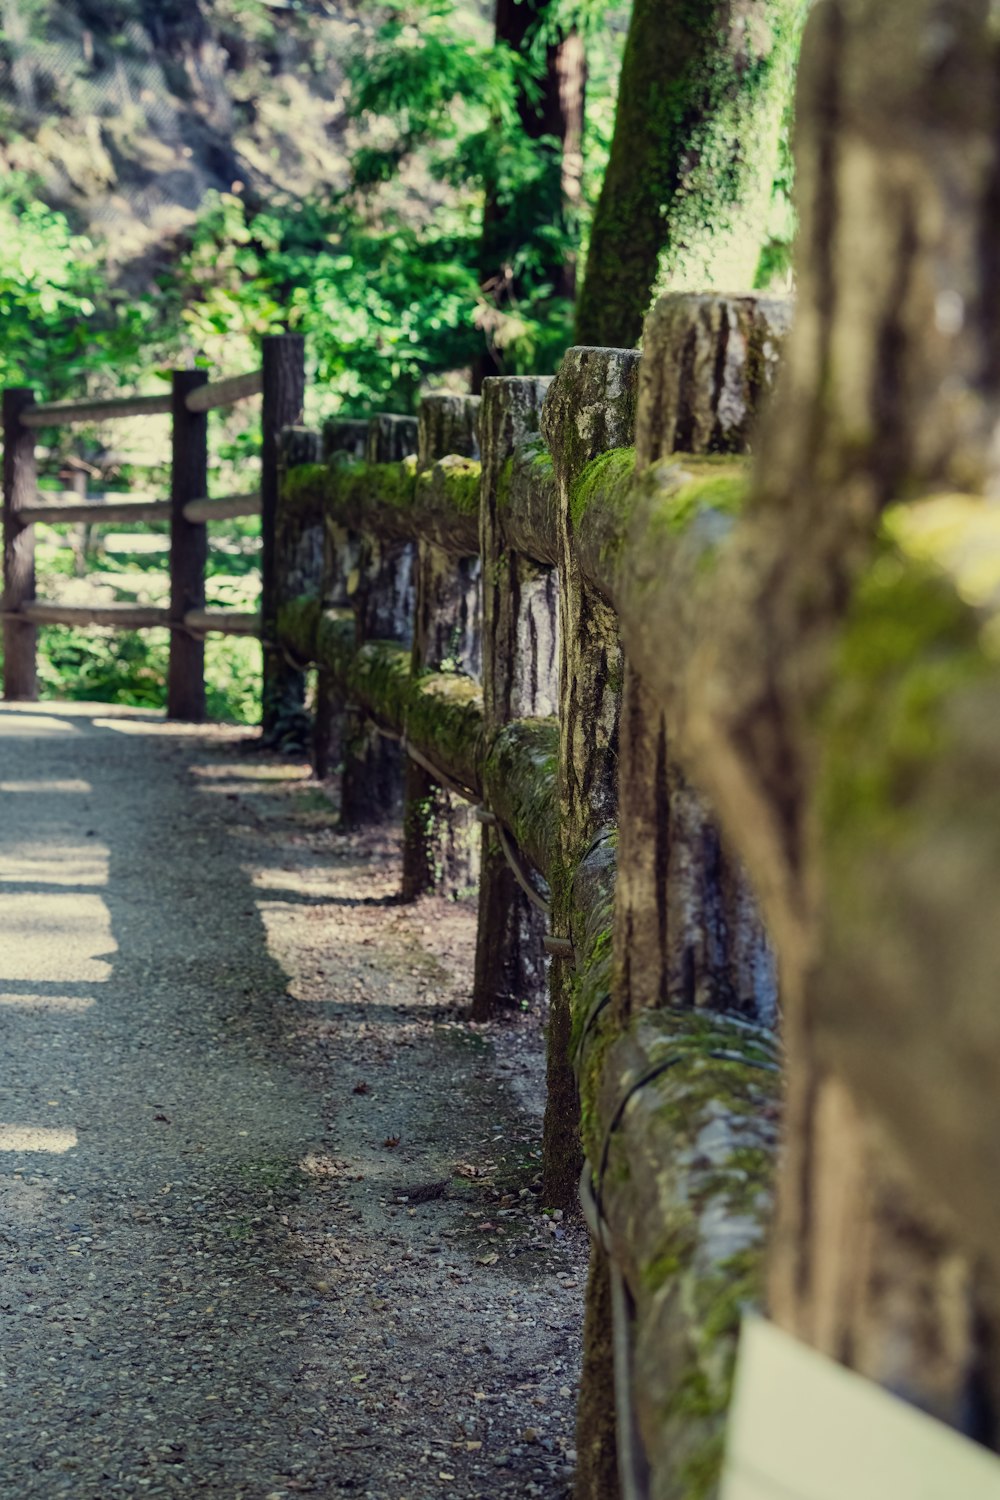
(298, 552)
(348, 436)
(20, 481)
(440, 837)
(382, 598)
(188, 549)
(284, 363)
(520, 681)
(589, 409)
(687, 931)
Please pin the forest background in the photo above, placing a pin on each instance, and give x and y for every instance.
(412, 185)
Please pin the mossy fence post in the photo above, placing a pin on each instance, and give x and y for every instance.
(439, 832)
(382, 600)
(298, 551)
(687, 930)
(589, 410)
(348, 436)
(20, 481)
(284, 364)
(188, 549)
(520, 680)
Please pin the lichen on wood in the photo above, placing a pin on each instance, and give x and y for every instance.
(683, 1116)
(520, 776)
(520, 679)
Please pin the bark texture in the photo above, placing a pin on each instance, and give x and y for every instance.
(519, 671)
(440, 836)
(589, 409)
(299, 545)
(382, 597)
(686, 196)
(283, 688)
(188, 549)
(20, 482)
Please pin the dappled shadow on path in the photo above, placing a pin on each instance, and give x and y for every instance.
(155, 1334)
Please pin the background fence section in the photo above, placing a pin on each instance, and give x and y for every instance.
(281, 384)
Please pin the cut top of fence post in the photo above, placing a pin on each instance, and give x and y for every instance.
(447, 424)
(390, 439)
(590, 407)
(346, 435)
(510, 413)
(708, 363)
(299, 445)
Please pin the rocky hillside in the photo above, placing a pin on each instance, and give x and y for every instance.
(130, 111)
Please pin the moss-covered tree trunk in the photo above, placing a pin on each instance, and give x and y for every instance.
(687, 192)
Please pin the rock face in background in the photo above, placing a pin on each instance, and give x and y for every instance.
(130, 111)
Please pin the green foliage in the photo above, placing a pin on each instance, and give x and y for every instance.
(382, 307)
(64, 329)
(461, 106)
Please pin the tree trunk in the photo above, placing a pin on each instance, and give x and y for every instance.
(687, 192)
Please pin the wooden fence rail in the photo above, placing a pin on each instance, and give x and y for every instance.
(188, 510)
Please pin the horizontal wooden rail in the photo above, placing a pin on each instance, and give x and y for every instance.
(225, 392)
(137, 617)
(119, 616)
(222, 622)
(68, 413)
(223, 509)
(69, 512)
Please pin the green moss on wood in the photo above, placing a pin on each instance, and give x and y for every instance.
(460, 478)
(909, 645)
(298, 620)
(687, 192)
(304, 484)
(521, 777)
(604, 481)
(444, 716)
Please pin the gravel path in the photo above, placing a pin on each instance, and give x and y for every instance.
(269, 1220)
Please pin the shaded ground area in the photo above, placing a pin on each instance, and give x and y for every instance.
(269, 1222)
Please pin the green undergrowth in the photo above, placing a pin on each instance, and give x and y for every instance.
(99, 664)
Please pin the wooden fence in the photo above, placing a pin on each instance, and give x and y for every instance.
(640, 667)
(458, 582)
(280, 383)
